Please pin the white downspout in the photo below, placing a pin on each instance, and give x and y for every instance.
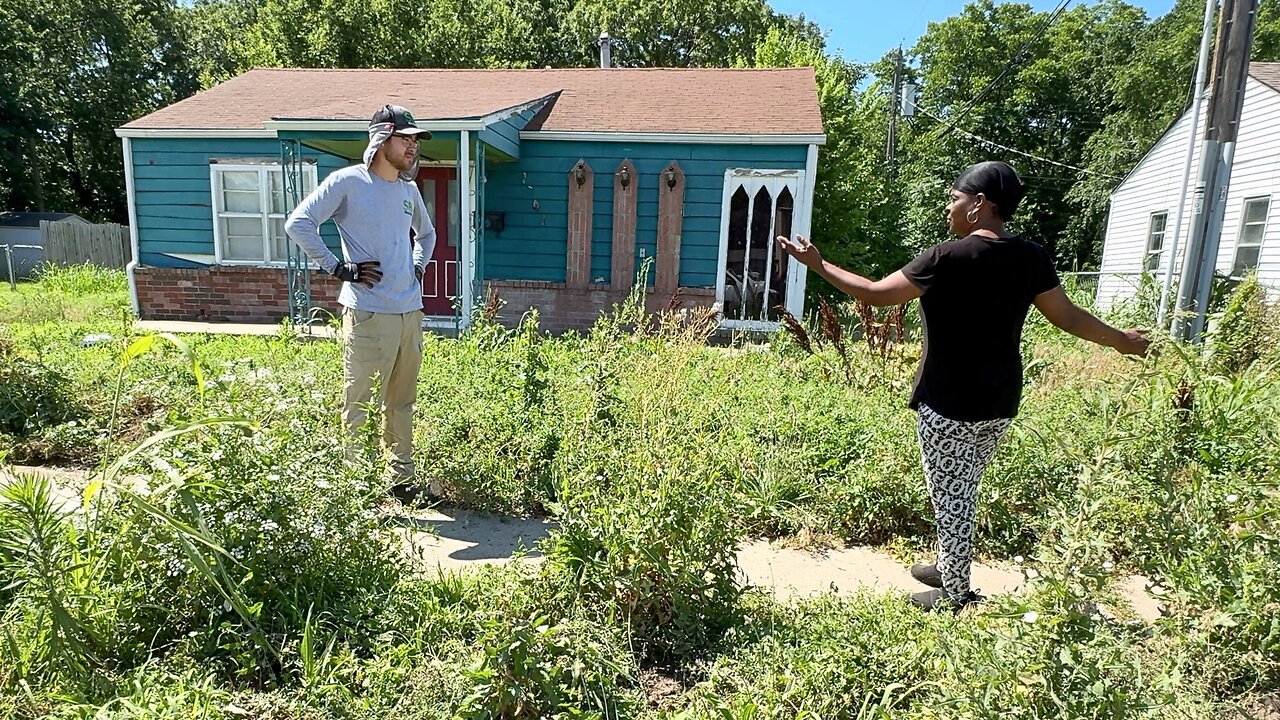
(133, 226)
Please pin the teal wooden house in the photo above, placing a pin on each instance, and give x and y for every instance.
(550, 188)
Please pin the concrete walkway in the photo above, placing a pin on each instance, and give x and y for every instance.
(455, 539)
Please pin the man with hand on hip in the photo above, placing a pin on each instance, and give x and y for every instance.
(378, 209)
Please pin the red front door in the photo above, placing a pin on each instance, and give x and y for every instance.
(439, 188)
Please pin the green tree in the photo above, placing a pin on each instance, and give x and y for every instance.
(856, 203)
(1005, 75)
(1148, 93)
(668, 33)
(74, 71)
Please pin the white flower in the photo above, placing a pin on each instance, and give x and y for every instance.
(322, 484)
(1108, 565)
(1018, 559)
(1232, 498)
(273, 477)
(216, 455)
(268, 526)
(71, 424)
(1030, 616)
(226, 606)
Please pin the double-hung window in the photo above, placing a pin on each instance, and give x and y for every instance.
(249, 211)
(1253, 225)
(1155, 240)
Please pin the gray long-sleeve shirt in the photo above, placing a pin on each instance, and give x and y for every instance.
(374, 217)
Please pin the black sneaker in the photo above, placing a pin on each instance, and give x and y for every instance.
(927, 574)
(415, 495)
(935, 600)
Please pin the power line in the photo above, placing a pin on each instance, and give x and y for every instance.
(1007, 67)
(997, 145)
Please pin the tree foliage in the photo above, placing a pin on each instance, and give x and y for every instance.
(1073, 99)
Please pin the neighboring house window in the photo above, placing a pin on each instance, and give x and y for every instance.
(249, 212)
(758, 206)
(1253, 223)
(1155, 240)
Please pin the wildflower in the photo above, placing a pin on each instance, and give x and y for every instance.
(1030, 616)
(1018, 559)
(322, 484)
(71, 423)
(268, 526)
(216, 455)
(1108, 565)
(1233, 498)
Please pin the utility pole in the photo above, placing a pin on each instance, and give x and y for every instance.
(1197, 95)
(891, 146)
(1230, 72)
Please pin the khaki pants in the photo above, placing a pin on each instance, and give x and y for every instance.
(389, 346)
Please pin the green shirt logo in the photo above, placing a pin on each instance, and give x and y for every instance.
(408, 207)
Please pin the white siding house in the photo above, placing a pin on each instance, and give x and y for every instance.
(1144, 206)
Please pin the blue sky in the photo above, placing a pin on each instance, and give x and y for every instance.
(864, 30)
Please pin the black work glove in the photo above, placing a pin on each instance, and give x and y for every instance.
(367, 273)
(417, 272)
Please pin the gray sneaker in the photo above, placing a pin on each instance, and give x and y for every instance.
(927, 574)
(936, 600)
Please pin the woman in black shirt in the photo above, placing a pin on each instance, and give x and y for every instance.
(974, 293)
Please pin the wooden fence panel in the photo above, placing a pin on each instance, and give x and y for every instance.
(106, 245)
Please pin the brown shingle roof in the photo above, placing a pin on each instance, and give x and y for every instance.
(703, 100)
(1267, 73)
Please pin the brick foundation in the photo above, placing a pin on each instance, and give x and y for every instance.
(259, 295)
(225, 293)
(561, 308)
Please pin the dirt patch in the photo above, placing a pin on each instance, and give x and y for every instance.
(662, 691)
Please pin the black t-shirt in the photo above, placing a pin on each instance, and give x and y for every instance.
(976, 295)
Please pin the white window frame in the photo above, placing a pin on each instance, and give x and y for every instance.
(1151, 235)
(1244, 216)
(263, 169)
(752, 180)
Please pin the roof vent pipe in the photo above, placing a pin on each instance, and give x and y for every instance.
(606, 50)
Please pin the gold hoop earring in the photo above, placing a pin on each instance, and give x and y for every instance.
(972, 216)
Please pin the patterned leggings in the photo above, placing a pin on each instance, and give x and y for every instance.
(955, 453)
